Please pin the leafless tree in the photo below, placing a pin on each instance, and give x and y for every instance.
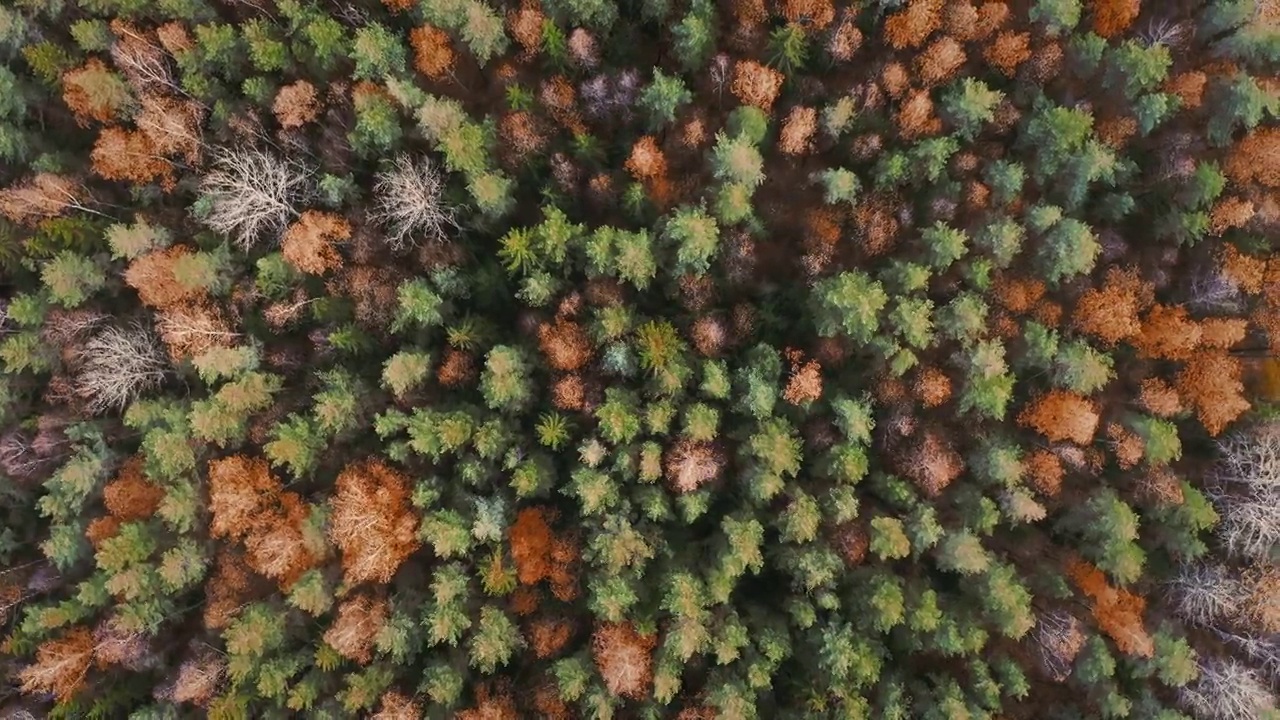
(143, 62)
(1227, 690)
(1250, 524)
(119, 364)
(1212, 291)
(1206, 594)
(1251, 458)
(1263, 651)
(252, 192)
(408, 203)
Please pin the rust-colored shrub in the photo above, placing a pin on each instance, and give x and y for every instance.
(646, 161)
(933, 464)
(525, 25)
(895, 79)
(817, 14)
(458, 368)
(531, 539)
(172, 125)
(568, 392)
(1044, 471)
(548, 636)
(1188, 87)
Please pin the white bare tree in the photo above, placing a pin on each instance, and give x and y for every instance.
(1206, 595)
(1227, 690)
(1264, 650)
(118, 365)
(1250, 524)
(409, 203)
(1251, 458)
(253, 192)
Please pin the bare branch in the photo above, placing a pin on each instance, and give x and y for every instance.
(408, 203)
(1227, 690)
(252, 192)
(119, 365)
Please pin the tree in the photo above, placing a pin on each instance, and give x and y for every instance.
(505, 381)
(1111, 312)
(662, 97)
(850, 304)
(118, 365)
(737, 160)
(1060, 415)
(409, 204)
(72, 278)
(377, 53)
(308, 243)
(61, 665)
(94, 93)
(1228, 690)
(371, 522)
(1211, 382)
(968, 105)
(1059, 17)
(250, 193)
(1069, 248)
(696, 237)
(757, 85)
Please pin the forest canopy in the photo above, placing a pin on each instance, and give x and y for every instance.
(491, 359)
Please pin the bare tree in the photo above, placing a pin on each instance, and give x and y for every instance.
(1264, 651)
(1251, 458)
(1206, 594)
(118, 365)
(252, 192)
(1250, 524)
(1227, 690)
(408, 203)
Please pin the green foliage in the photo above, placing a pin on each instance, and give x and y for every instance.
(969, 104)
(72, 278)
(662, 97)
(849, 304)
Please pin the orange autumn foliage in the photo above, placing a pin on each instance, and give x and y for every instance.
(1256, 159)
(531, 538)
(1211, 382)
(624, 658)
(308, 243)
(1060, 415)
(1159, 398)
(130, 496)
(1045, 472)
(60, 666)
(798, 129)
(548, 636)
(940, 61)
(1110, 312)
(1016, 294)
(1112, 17)
(932, 387)
(805, 384)
(1245, 271)
(1118, 612)
(152, 275)
(911, 26)
(1222, 333)
(1230, 212)
(250, 504)
(1008, 51)
(132, 157)
(756, 84)
(42, 197)
(565, 344)
(916, 117)
(1168, 333)
(433, 54)
(646, 161)
(372, 522)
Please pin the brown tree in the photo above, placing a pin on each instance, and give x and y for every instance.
(1061, 415)
(1211, 382)
(308, 244)
(397, 706)
(1113, 17)
(624, 658)
(565, 344)
(932, 387)
(940, 61)
(531, 539)
(805, 383)
(932, 464)
(172, 126)
(916, 118)
(433, 54)
(353, 632)
(130, 496)
(525, 25)
(1008, 51)
(756, 84)
(130, 156)
(152, 275)
(1159, 398)
(191, 329)
(1110, 312)
(1118, 612)
(44, 196)
(796, 136)
(689, 465)
(372, 521)
(61, 665)
(911, 26)
(1045, 472)
(94, 92)
(296, 105)
(1167, 334)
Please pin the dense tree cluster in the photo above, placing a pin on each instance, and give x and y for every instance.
(699, 359)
